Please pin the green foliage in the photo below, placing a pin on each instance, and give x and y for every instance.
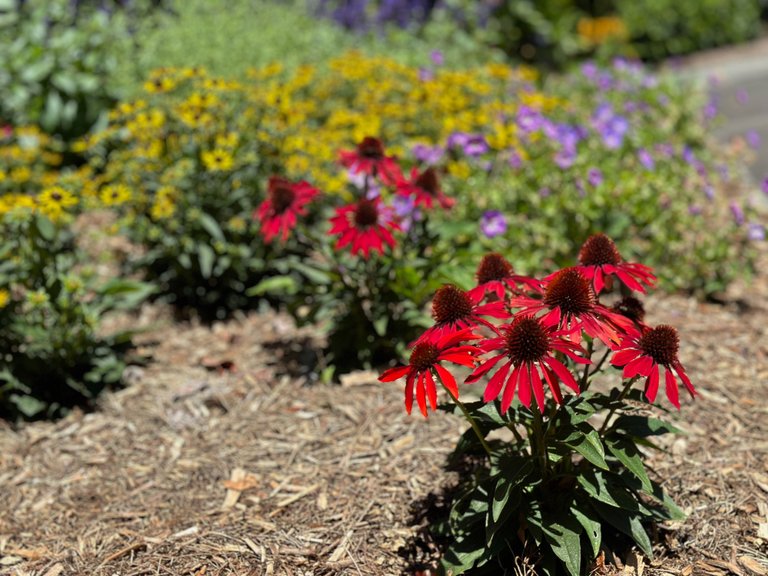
(53, 354)
(56, 67)
(662, 28)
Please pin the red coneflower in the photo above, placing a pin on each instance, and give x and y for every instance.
(570, 303)
(425, 189)
(424, 366)
(369, 158)
(643, 354)
(599, 258)
(367, 225)
(527, 344)
(454, 309)
(632, 309)
(495, 275)
(285, 201)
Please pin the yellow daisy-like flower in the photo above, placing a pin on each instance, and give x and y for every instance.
(55, 201)
(217, 160)
(21, 175)
(164, 205)
(160, 85)
(115, 195)
(5, 297)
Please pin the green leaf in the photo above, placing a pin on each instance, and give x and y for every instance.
(45, 228)
(313, 274)
(206, 257)
(563, 538)
(599, 486)
(644, 426)
(592, 529)
(380, 325)
(627, 453)
(27, 405)
(212, 227)
(273, 285)
(629, 524)
(591, 447)
(506, 498)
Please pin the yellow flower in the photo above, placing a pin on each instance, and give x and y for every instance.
(21, 174)
(164, 205)
(228, 140)
(160, 85)
(601, 30)
(37, 298)
(3, 175)
(217, 160)
(5, 297)
(54, 202)
(115, 195)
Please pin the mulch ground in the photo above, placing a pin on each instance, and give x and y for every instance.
(215, 461)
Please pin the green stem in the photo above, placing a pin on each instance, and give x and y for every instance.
(585, 375)
(621, 397)
(540, 441)
(471, 421)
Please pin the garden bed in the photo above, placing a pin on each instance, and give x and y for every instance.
(215, 462)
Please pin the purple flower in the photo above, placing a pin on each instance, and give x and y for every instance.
(646, 159)
(425, 75)
(594, 177)
(688, 155)
(589, 70)
(756, 232)
(611, 126)
(515, 161)
(710, 110)
(437, 57)
(476, 146)
(405, 209)
(742, 96)
(709, 192)
(565, 158)
(738, 213)
(765, 185)
(545, 191)
(666, 150)
(723, 169)
(694, 209)
(529, 119)
(753, 139)
(493, 223)
(431, 155)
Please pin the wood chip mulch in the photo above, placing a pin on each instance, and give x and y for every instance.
(216, 462)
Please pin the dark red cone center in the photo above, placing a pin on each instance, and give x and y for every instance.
(366, 214)
(424, 356)
(661, 344)
(599, 250)
(428, 182)
(450, 304)
(282, 196)
(492, 267)
(630, 307)
(526, 340)
(371, 148)
(570, 291)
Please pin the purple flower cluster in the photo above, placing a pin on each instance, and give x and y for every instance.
(472, 145)
(493, 223)
(359, 15)
(610, 126)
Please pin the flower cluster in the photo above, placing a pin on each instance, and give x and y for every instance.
(520, 334)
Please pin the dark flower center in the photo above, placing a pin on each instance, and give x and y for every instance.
(366, 214)
(526, 340)
(570, 291)
(281, 194)
(492, 267)
(630, 307)
(56, 196)
(661, 344)
(371, 148)
(428, 182)
(599, 250)
(450, 304)
(424, 356)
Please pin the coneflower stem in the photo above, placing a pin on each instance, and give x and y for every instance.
(621, 397)
(471, 420)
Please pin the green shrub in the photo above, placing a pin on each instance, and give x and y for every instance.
(53, 354)
(56, 67)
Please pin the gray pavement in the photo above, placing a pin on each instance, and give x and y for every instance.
(741, 90)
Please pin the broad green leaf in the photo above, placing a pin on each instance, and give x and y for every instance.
(506, 498)
(644, 426)
(212, 227)
(599, 486)
(380, 325)
(314, 275)
(27, 405)
(206, 257)
(273, 285)
(591, 447)
(627, 453)
(45, 228)
(563, 538)
(592, 529)
(629, 524)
